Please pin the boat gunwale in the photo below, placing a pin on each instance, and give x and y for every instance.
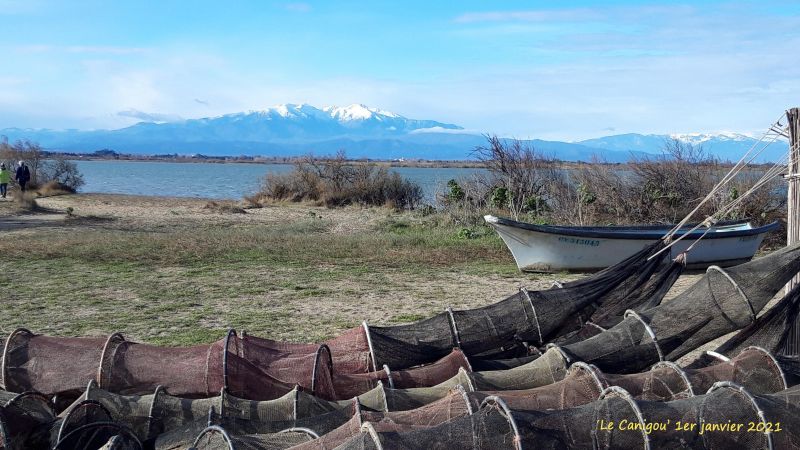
(620, 233)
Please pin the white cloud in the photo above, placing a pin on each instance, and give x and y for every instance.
(149, 117)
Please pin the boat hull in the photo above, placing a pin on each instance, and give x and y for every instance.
(551, 251)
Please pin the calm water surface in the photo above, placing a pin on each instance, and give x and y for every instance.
(220, 181)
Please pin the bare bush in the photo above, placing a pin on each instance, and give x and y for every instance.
(521, 176)
(59, 169)
(338, 182)
(44, 167)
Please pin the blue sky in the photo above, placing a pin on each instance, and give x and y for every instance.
(527, 69)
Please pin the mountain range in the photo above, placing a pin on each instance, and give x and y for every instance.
(363, 132)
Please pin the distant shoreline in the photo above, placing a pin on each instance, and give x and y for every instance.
(264, 160)
(271, 160)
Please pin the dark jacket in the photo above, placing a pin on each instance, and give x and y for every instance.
(23, 174)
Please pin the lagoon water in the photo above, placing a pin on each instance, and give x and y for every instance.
(220, 181)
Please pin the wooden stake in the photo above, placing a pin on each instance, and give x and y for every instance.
(793, 201)
(792, 343)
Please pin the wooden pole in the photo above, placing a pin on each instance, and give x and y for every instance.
(793, 202)
(792, 344)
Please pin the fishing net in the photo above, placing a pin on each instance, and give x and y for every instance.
(351, 385)
(580, 385)
(217, 438)
(23, 419)
(720, 302)
(769, 331)
(49, 365)
(489, 428)
(549, 368)
(105, 435)
(528, 316)
(505, 363)
(639, 293)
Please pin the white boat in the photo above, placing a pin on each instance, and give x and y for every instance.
(547, 248)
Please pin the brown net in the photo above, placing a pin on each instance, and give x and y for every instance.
(581, 385)
(50, 365)
(351, 385)
(490, 428)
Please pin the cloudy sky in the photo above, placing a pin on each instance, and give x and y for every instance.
(541, 69)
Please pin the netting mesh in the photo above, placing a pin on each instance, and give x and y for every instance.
(638, 293)
(351, 385)
(547, 369)
(24, 421)
(720, 302)
(489, 428)
(528, 316)
(581, 385)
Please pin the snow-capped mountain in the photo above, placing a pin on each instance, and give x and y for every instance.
(724, 145)
(362, 131)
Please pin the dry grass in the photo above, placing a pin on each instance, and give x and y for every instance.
(169, 271)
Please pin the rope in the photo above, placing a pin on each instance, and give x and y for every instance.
(768, 176)
(731, 174)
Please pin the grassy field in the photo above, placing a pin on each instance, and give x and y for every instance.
(181, 271)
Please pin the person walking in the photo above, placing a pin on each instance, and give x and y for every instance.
(5, 178)
(23, 175)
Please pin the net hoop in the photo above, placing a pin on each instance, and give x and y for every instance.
(120, 429)
(463, 394)
(91, 386)
(751, 311)
(372, 354)
(388, 376)
(677, 369)
(453, 328)
(5, 380)
(383, 394)
(616, 391)
(317, 356)
(592, 324)
(295, 401)
(759, 412)
(560, 351)
(107, 357)
(497, 402)
(39, 396)
(718, 356)
(635, 315)
(151, 419)
(466, 361)
(774, 361)
(214, 429)
(535, 316)
(368, 428)
(593, 372)
(467, 379)
(63, 428)
(225, 346)
(305, 430)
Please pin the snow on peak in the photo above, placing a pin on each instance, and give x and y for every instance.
(357, 111)
(700, 138)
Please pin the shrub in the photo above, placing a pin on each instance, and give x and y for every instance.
(62, 171)
(337, 182)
